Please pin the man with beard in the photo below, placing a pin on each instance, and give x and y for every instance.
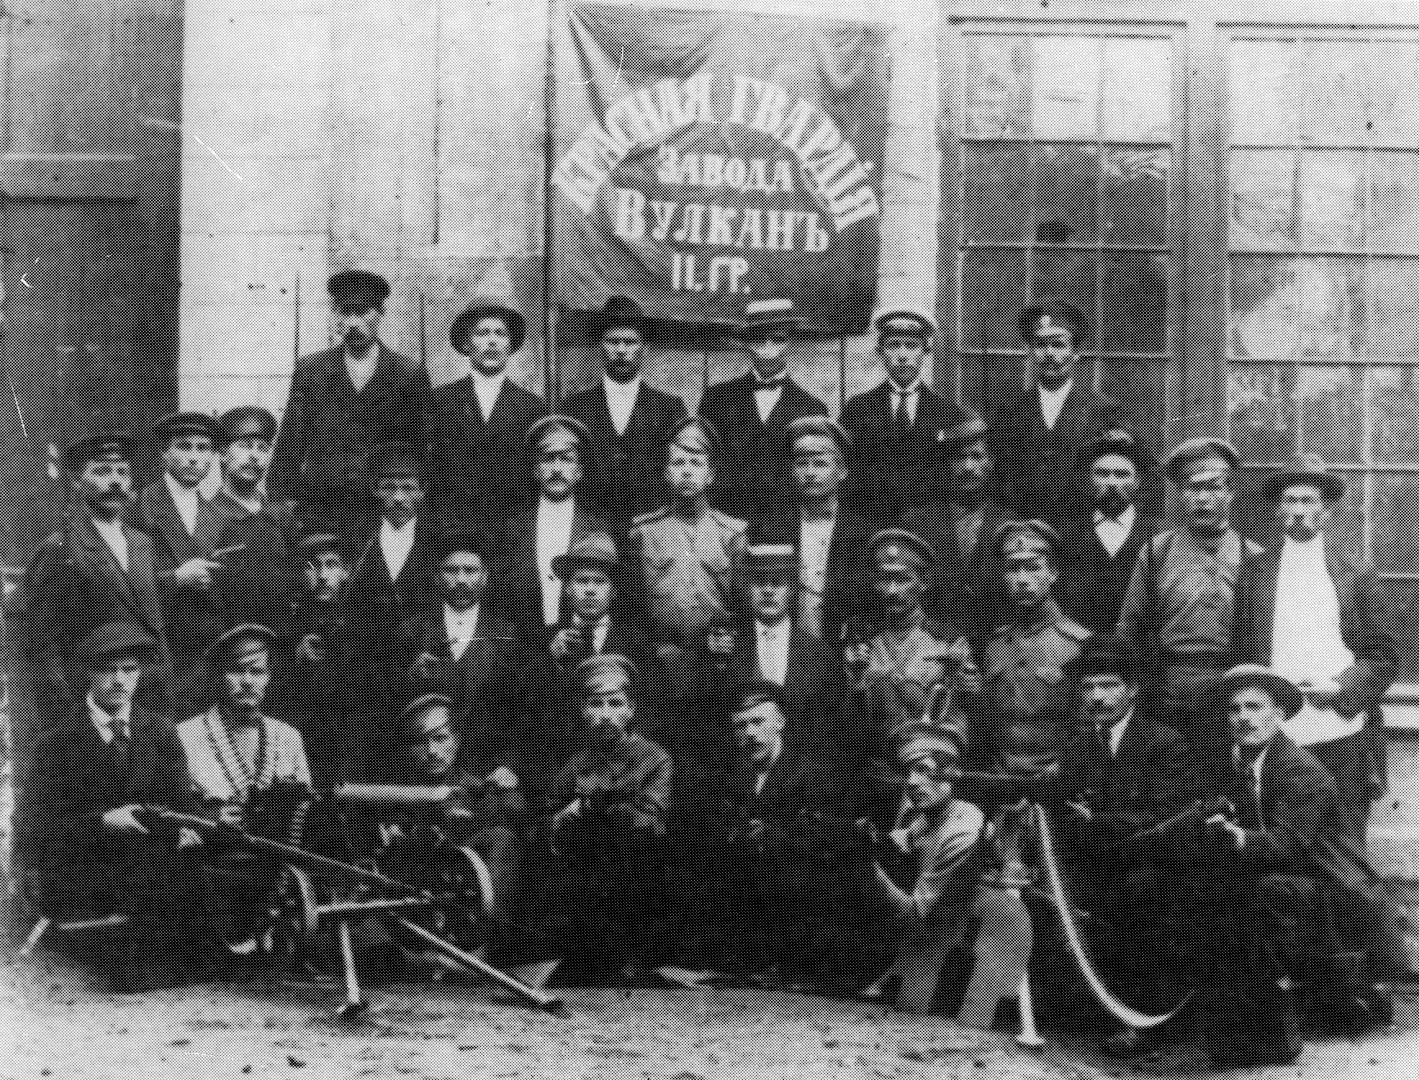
(1308, 611)
(311, 696)
(167, 512)
(1099, 547)
(630, 421)
(93, 569)
(538, 537)
(896, 428)
(344, 401)
(1037, 434)
(1178, 608)
(752, 412)
(966, 587)
(477, 426)
(253, 538)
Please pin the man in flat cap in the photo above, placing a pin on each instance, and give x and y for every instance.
(531, 591)
(1284, 899)
(966, 588)
(1178, 607)
(1307, 609)
(630, 421)
(831, 538)
(252, 538)
(1027, 708)
(477, 426)
(1038, 433)
(1100, 542)
(96, 765)
(689, 553)
(893, 673)
(896, 427)
(752, 412)
(344, 401)
(91, 570)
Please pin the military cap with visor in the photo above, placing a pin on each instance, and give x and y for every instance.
(605, 673)
(698, 436)
(246, 422)
(1201, 458)
(540, 432)
(900, 548)
(177, 424)
(903, 322)
(1019, 540)
(816, 427)
(241, 642)
(98, 446)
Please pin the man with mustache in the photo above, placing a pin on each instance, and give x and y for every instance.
(478, 425)
(343, 401)
(1178, 607)
(1308, 610)
(1099, 545)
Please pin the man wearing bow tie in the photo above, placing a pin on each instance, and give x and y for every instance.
(1099, 546)
(752, 412)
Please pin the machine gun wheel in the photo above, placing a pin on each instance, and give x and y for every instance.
(295, 917)
(482, 880)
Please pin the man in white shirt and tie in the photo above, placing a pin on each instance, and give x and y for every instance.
(1311, 612)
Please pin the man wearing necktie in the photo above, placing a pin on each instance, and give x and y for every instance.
(1285, 899)
(752, 412)
(88, 851)
(1100, 543)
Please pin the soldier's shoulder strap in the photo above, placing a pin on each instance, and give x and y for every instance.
(1072, 630)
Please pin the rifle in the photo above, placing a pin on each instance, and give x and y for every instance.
(1007, 789)
(1184, 823)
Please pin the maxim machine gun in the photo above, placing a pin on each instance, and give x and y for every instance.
(427, 891)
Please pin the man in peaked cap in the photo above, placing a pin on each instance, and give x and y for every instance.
(752, 412)
(478, 425)
(966, 588)
(630, 420)
(558, 453)
(1307, 609)
(96, 764)
(1028, 705)
(897, 427)
(1037, 433)
(343, 401)
(1100, 540)
(1178, 609)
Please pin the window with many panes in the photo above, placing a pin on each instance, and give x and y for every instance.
(1322, 328)
(1064, 168)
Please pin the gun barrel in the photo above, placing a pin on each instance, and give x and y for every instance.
(393, 794)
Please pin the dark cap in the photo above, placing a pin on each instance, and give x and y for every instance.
(246, 422)
(900, 547)
(595, 550)
(358, 289)
(620, 313)
(175, 425)
(697, 435)
(1195, 455)
(1120, 443)
(463, 538)
(939, 739)
(422, 704)
(596, 674)
(1283, 691)
(468, 320)
(1017, 540)
(823, 427)
(98, 446)
(905, 323)
(318, 542)
(242, 641)
(769, 551)
(115, 639)
(1051, 315)
(1106, 654)
(556, 422)
(753, 692)
(1308, 469)
(395, 461)
(968, 429)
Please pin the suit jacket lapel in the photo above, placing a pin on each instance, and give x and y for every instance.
(103, 559)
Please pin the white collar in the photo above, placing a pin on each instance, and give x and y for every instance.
(1055, 395)
(909, 390)
(181, 494)
(1125, 519)
(465, 621)
(620, 389)
(1312, 550)
(487, 383)
(556, 508)
(777, 630)
(108, 724)
(404, 532)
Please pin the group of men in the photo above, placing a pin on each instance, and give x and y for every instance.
(750, 687)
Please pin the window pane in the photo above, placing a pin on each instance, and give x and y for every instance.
(996, 192)
(1135, 196)
(1138, 82)
(1394, 285)
(1310, 308)
(1333, 91)
(1332, 200)
(1067, 194)
(1263, 199)
(1071, 276)
(1135, 312)
(1065, 102)
(1392, 93)
(993, 292)
(1394, 399)
(996, 73)
(1263, 89)
(1140, 386)
(1396, 524)
(1394, 208)
(1278, 411)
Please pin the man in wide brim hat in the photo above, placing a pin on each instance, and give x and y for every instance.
(1310, 471)
(468, 320)
(1285, 694)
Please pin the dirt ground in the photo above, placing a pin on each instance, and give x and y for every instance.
(55, 1024)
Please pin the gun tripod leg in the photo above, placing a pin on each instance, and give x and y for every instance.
(32, 941)
(1028, 1036)
(547, 1002)
(354, 1000)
